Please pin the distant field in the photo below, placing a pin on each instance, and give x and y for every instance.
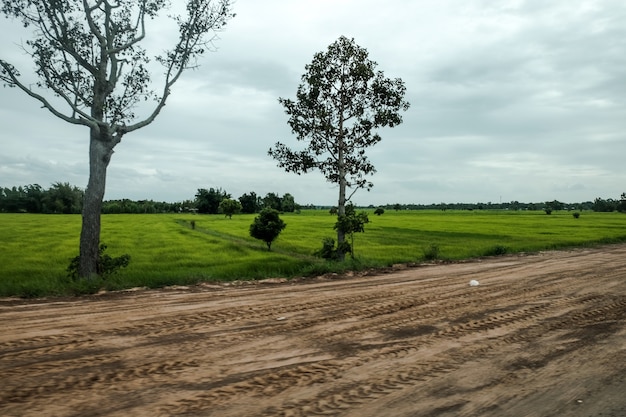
(35, 249)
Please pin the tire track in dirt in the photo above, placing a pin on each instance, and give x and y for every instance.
(336, 401)
(303, 375)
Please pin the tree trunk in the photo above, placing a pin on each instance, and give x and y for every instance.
(341, 204)
(100, 151)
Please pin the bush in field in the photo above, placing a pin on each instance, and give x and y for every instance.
(267, 226)
(229, 207)
(328, 250)
(497, 250)
(576, 214)
(106, 266)
(548, 210)
(379, 211)
(432, 252)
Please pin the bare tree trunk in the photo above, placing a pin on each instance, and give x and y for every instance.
(100, 152)
(341, 204)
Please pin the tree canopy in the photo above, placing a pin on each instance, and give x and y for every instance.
(267, 226)
(228, 207)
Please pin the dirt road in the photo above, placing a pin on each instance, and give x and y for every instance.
(541, 335)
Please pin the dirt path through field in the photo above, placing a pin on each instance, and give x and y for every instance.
(542, 335)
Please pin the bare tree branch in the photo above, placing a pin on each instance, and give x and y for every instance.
(10, 76)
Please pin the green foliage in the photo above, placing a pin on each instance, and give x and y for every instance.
(267, 226)
(497, 250)
(431, 252)
(328, 250)
(61, 198)
(605, 206)
(208, 201)
(621, 207)
(107, 265)
(379, 211)
(64, 198)
(576, 214)
(272, 201)
(249, 203)
(332, 253)
(555, 205)
(288, 203)
(548, 210)
(349, 224)
(127, 206)
(228, 207)
(321, 108)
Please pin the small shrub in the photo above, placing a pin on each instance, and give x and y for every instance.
(379, 211)
(193, 224)
(432, 252)
(267, 226)
(576, 214)
(497, 250)
(330, 252)
(107, 265)
(548, 210)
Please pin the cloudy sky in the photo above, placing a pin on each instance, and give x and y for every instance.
(510, 100)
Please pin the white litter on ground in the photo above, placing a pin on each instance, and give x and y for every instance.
(474, 283)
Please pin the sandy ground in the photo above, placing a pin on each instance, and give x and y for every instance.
(542, 335)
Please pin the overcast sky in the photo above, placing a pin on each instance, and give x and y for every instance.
(510, 100)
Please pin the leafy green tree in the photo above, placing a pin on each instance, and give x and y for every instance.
(272, 200)
(249, 203)
(288, 203)
(63, 198)
(267, 226)
(228, 207)
(554, 205)
(606, 206)
(12, 199)
(339, 105)
(208, 201)
(35, 195)
(621, 207)
(89, 57)
(379, 211)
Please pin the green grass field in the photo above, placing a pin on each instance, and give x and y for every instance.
(35, 249)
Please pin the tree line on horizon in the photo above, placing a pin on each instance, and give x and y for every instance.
(64, 198)
(598, 205)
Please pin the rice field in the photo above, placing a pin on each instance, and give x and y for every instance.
(165, 250)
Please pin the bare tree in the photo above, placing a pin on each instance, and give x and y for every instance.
(89, 55)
